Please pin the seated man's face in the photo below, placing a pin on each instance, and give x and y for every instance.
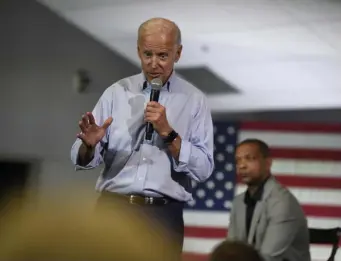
(251, 166)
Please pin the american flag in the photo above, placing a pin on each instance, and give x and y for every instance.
(307, 159)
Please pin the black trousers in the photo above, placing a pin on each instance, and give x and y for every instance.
(169, 216)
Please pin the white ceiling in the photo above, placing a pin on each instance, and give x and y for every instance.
(281, 54)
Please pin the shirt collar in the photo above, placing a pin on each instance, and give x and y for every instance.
(166, 85)
(257, 196)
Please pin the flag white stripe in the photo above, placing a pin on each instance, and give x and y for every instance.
(310, 196)
(218, 219)
(203, 218)
(307, 168)
(295, 139)
(205, 246)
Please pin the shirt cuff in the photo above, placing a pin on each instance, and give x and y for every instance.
(96, 160)
(90, 165)
(184, 156)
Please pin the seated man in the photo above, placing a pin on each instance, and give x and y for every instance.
(267, 215)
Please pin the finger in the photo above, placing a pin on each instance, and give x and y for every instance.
(107, 123)
(150, 114)
(85, 120)
(155, 114)
(152, 109)
(91, 118)
(153, 104)
(151, 118)
(81, 126)
(81, 136)
(147, 118)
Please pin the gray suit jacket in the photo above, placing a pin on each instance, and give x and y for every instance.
(278, 228)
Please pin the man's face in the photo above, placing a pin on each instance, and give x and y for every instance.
(158, 53)
(252, 167)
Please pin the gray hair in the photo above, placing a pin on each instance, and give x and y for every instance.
(161, 24)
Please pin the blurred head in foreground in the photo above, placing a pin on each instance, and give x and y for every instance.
(234, 251)
(78, 232)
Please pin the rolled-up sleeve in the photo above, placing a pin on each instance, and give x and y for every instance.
(196, 154)
(96, 160)
(102, 111)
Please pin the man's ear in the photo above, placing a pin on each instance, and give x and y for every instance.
(138, 50)
(268, 163)
(178, 53)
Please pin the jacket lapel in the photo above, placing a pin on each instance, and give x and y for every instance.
(259, 209)
(241, 221)
(254, 222)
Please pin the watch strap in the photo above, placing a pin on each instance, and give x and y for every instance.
(170, 137)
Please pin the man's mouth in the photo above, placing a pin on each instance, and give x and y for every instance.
(154, 74)
(244, 176)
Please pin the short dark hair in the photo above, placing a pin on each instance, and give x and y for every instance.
(262, 146)
(234, 251)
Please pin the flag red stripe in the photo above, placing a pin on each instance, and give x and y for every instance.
(291, 127)
(308, 154)
(322, 211)
(307, 181)
(310, 182)
(210, 233)
(202, 257)
(194, 257)
(206, 232)
(310, 210)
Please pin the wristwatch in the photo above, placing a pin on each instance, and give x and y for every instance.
(170, 137)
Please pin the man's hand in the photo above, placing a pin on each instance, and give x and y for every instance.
(92, 133)
(155, 113)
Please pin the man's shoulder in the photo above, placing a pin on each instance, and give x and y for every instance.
(278, 191)
(238, 199)
(281, 195)
(127, 82)
(184, 86)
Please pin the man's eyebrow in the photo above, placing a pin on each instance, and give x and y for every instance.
(244, 155)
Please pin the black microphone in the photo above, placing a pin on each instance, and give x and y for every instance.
(156, 85)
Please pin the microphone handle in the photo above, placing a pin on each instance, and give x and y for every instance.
(154, 96)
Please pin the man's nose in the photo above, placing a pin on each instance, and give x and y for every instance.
(154, 62)
(241, 165)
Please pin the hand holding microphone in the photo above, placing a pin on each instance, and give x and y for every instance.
(155, 113)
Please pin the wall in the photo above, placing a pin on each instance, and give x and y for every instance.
(39, 111)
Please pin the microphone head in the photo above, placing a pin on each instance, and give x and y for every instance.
(156, 84)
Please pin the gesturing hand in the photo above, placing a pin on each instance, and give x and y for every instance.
(92, 133)
(155, 113)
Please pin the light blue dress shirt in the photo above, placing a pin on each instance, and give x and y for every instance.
(133, 165)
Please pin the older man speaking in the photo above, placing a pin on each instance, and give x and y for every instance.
(152, 174)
